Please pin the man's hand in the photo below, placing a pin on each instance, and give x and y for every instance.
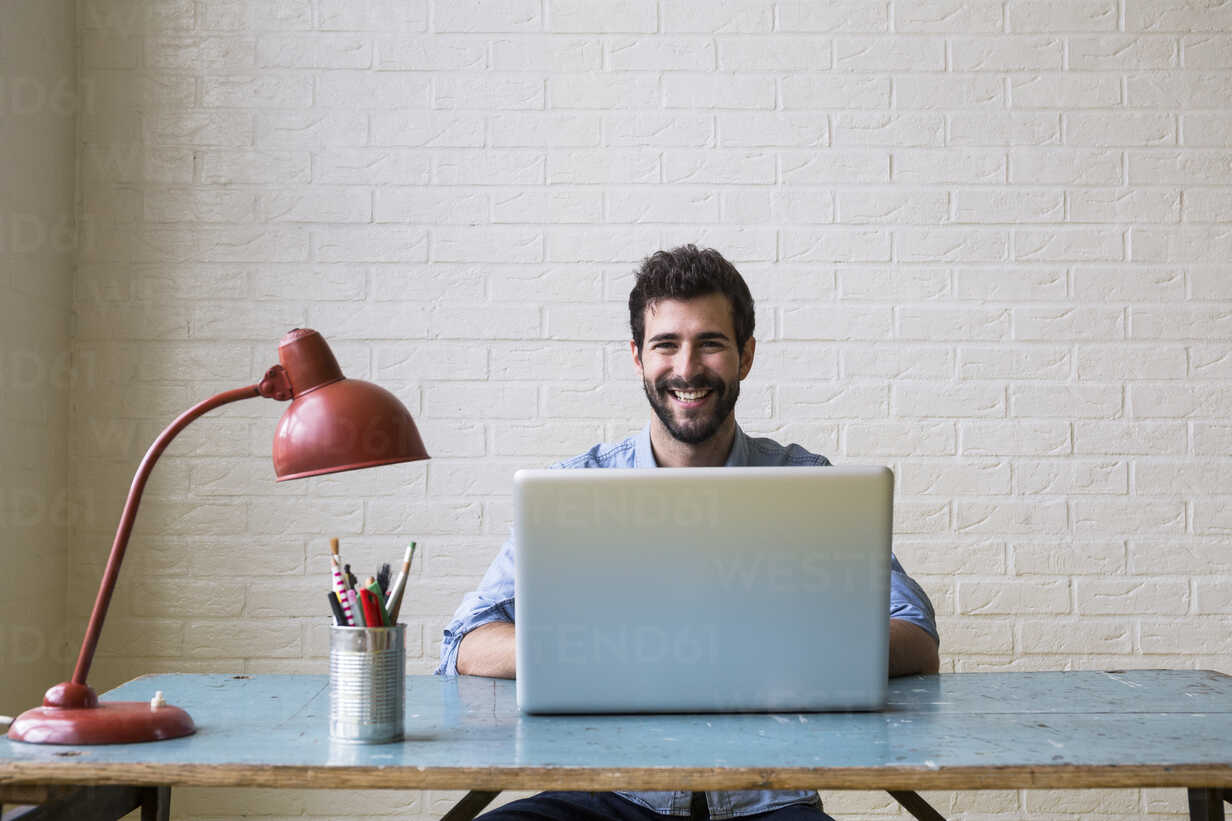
(911, 650)
(489, 650)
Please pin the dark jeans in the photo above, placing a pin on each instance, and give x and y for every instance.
(606, 806)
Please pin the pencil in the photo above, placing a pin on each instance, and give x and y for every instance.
(395, 593)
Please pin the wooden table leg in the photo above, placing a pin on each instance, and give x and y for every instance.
(915, 805)
(156, 804)
(1206, 804)
(471, 805)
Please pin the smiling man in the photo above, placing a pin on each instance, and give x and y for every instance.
(691, 317)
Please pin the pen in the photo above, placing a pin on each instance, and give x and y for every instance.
(372, 616)
(340, 589)
(357, 612)
(339, 616)
(395, 593)
(378, 595)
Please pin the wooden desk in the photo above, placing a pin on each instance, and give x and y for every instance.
(1158, 728)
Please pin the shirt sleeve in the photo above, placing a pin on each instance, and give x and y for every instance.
(909, 602)
(492, 601)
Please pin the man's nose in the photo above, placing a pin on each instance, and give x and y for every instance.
(689, 363)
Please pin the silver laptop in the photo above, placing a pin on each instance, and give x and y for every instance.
(702, 589)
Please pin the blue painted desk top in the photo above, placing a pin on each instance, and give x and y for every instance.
(980, 730)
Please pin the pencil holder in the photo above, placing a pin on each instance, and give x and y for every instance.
(367, 678)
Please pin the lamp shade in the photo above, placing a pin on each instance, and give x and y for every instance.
(335, 423)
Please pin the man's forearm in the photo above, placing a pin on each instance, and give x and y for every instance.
(911, 650)
(489, 650)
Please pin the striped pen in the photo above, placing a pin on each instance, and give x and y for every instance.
(340, 586)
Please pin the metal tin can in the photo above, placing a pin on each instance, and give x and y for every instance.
(367, 680)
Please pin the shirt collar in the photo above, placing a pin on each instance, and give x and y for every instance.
(643, 453)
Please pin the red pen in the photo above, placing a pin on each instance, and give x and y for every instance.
(372, 613)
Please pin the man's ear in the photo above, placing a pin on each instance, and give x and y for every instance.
(637, 355)
(746, 356)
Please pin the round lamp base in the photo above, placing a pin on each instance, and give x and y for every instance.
(111, 722)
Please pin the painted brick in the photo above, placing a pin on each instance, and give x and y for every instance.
(234, 15)
(1016, 437)
(719, 17)
(609, 166)
(1127, 517)
(702, 91)
(373, 15)
(549, 54)
(922, 438)
(314, 51)
(603, 91)
(1068, 558)
(1007, 53)
(1071, 477)
(1081, 637)
(1009, 128)
(951, 245)
(940, 399)
(889, 54)
(1123, 438)
(947, 479)
(1014, 597)
(618, 16)
(1122, 51)
(1176, 401)
(1009, 205)
(925, 166)
(822, 93)
(1066, 401)
(1055, 324)
(773, 53)
(1189, 89)
(1206, 51)
(1065, 166)
(532, 129)
(1115, 597)
(943, 91)
(491, 167)
(257, 91)
(935, 324)
(1207, 205)
(489, 92)
(854, 16)
(647, 128)
(661, 54)
(437, 52)
(1133, 129)
(1062, 17)
(1065, 91)
(431, 129)
(978, 362)
(425, 206)
(1167, 322)
(908, 284)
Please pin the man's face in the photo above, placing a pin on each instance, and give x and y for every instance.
(690, 366)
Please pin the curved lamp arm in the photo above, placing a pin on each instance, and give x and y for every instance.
(274, 386)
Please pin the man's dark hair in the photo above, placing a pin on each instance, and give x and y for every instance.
(684, 273)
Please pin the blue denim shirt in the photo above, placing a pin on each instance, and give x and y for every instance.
(494, 601)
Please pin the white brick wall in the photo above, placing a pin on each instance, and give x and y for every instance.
(989, 239)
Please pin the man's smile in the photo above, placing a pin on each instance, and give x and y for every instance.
(691, 398)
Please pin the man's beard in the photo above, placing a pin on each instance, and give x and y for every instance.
(692, 431)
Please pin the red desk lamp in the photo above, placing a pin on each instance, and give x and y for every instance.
(333, 424)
